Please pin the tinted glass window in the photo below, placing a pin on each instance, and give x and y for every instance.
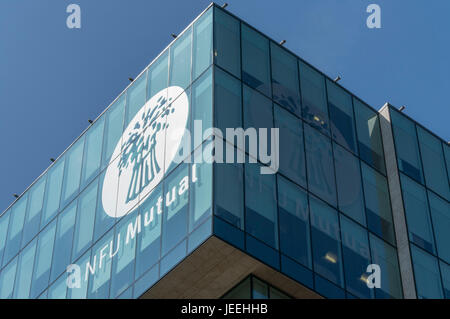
(440, 212)
(43, 261)
(7, 277)
(33, 215)
(227, 46)
(260, 205)
(72, 172)
(378, 205)
(294, 222)
(92, 152)
(417, 214)
(136, 97)
(4, 222)
(52, 192)
(349, 187)
(255, 60)
(386, 257)
(291, 148)
(158, 74)
(114, 121)
(25, 271)
(356, 252)
(426, 274)
(202, 43)
(433, 163)
(285, 79)
(369, 135)
(326, 241)
(15, 228)
(320, 166)
(341, 115)
(180, 60)
(314, 98)
(406, 145)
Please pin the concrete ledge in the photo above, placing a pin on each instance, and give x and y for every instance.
(214, 268)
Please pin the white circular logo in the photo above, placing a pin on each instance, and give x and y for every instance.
(144, 156)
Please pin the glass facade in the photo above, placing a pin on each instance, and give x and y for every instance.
(117, 205)
(424, 168)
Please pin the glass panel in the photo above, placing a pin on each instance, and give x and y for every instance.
(103, 222)
(447, 158)
(63, 240)
(72, 172)
(440, 212)
(7, 276)
(426, 274)
(125, 248)
(201, 192)
(255, 60)
(406, 145)
(417, 214)
(149, 239)
(314, 98)
(158, 75)
(378, 204)
(445, 271)
(386, 257)
(261, 205)
(291, 149)
(92, 152)
(113, 129)
(15, 228)
(144, 283)
(175, 224)
(433, 163)
(258, 114)
(341, 115)
(227, 38)
(180, 60)
(33, 216)
(85, 220)
(294, 222)
(349, 188)
(229, 193)
(276, 294)
(24, 271)
(136, 97)
(369, 135)
(169, 261)
(202, 104)
(52, 191)
(241, 291)
(326, 241)
(260, 289)
(286, 90)
(202, 43)
(58, 289)
(320, 168)
(100, 280)
(355, 248)
(81, 292)
(4, 222)
(227, 101)
(43, 260)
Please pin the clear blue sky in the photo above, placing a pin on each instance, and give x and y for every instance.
(53, 79)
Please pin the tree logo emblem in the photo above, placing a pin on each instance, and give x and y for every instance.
(142, 156)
